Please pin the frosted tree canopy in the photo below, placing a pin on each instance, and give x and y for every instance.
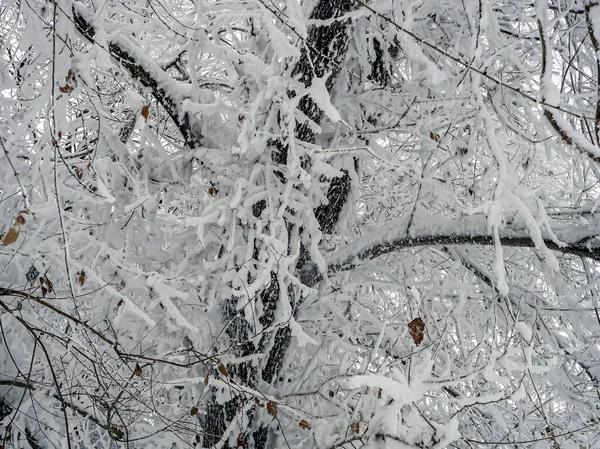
(299, 224)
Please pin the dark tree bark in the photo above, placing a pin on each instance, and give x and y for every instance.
(323, 52)
(326, 47)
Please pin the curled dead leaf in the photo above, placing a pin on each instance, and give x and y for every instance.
(46, 285)
(222, 369)
(70, 83)
(81, 276)
(194, 411)
(11, 236)
(206, 381)
(138, 370)
(416, 328)
(145, 112)
(355, 427)
(304, 424)
(115, 433)
(272, 409)
(13, 232)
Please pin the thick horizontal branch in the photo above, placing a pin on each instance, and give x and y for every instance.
(437, 231)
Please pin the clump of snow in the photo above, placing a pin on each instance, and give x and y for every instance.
(134, 100)
(523, 329)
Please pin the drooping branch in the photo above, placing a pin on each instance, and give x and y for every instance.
(436, 231)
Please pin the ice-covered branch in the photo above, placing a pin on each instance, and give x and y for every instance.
(434, 231)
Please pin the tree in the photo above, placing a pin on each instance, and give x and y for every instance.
(327, 223)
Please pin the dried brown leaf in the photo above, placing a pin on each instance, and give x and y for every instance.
(81, 276)
(11, 236)
(48, 283)
(222, 369)
(145, 112)
(115, 433)
(206, 381)
(70, 83)
(138, 370)
(416, 328)
(272, 409)
(194, 411)
(355, 427)
(304, 424)
(331, 394)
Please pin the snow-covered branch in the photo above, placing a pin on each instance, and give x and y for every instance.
(579, 240)
(148, 73)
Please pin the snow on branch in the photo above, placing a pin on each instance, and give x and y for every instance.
(434, 231)
(149, 74)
